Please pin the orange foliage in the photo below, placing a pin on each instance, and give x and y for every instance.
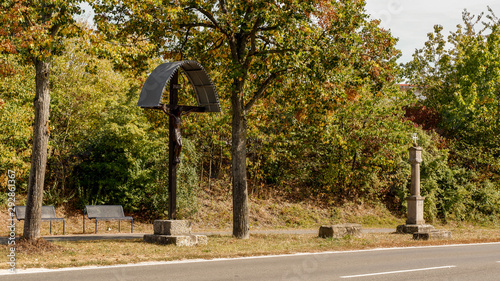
(352, 94)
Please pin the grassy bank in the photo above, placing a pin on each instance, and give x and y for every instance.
(214, 214)
(85, 253)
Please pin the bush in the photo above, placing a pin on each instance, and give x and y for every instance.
(455, 193)
(126, 162)
(115, 162)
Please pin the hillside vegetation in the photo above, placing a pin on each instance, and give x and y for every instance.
(339, 142)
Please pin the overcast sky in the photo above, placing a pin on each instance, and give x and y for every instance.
(411, 20)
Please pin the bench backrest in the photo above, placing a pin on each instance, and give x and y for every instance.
(104, 211)
(48, 212)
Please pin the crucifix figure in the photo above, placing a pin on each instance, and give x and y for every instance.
(175, 113)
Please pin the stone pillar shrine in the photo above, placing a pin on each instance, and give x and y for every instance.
(415, 223)
(415, 220)
(415, 201)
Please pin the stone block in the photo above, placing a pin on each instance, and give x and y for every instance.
(415, 210)
(172, 227)
(178, 240)
(434, 234)
(340, 230)
(413, 228)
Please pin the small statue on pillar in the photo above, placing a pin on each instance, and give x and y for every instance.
(415, 220)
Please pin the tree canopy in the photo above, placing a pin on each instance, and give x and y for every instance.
(253, 46)
(310, 107)
(34, 30)
(460, 78)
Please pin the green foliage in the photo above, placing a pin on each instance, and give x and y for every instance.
(103, 149)
(109, 150)
(112, 160)
(462, 83)
(456, 194)
(324, 117)
(188, 180)
(16, 118)
(124, 162)
(79, 99)
(355, 151)
(443, 188)
(341, 137)
(35, 29)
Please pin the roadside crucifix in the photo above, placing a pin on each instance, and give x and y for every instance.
(415, 139)
(151, 97)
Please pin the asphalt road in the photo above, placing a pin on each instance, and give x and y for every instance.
(455, 262)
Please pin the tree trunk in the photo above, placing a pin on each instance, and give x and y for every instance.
(239, 168)
(41, 134)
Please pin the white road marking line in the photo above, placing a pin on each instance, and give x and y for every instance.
(398, 271)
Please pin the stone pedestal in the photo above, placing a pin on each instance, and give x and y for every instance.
(415, 210)
(340, 230)
(414, 228)
(433, 234)
(172, 227)
(177, 232)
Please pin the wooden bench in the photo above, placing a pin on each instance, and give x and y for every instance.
(107, 213)
(48, 214)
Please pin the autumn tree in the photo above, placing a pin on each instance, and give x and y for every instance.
(335, 131)
(252, 45)
(460, 78)
(33, 30)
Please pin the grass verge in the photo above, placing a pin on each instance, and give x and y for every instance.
(110, 252)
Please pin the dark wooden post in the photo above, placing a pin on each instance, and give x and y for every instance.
(172, 165)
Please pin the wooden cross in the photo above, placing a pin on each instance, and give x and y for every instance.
(175, 112)
(152, 95)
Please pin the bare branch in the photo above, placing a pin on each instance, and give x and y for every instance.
(223, 8)
(27, 18)
(211, 18)
(216, 46)
(198, 24)
(248, 12)
(54, 30)
(253, 45)
(262, 89)
(186, 37)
